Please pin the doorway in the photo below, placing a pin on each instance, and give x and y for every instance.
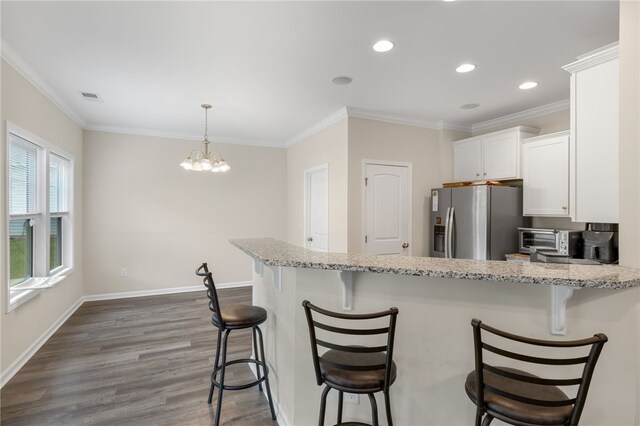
(316, 208)
(386, 207)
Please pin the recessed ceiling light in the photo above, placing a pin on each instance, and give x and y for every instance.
(528, 85)
(470, 106)
(466, 68)
(341, 79)
(383, 46)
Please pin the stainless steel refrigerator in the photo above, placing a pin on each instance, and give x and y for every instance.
(475, 222)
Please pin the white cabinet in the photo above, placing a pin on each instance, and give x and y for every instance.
(467, 160)
(490, 157)
(545, 175)
(594, 136)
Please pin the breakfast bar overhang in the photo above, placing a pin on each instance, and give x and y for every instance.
(437, 298)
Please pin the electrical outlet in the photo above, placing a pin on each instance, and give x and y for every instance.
(351, 398)
(124, 273)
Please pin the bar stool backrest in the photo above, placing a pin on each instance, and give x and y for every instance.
(212, 294)
(596, 342)
(392, 313)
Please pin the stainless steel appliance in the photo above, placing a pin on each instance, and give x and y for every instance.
(475, 222)
(564, 242)
(600, 246)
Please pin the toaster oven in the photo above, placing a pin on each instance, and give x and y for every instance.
(564, 242)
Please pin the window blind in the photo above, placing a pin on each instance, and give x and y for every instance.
(23, 176)
(58, 184)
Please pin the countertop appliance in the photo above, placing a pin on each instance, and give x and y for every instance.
(600, 246)
(475, 222)
(564, 242)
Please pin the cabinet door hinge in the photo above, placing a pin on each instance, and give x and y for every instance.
(366, 239)
(366, 181)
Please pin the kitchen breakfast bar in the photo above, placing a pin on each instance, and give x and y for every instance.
(437, 299)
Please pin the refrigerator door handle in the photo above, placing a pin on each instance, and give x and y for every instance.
(446, 233)
(450, 234)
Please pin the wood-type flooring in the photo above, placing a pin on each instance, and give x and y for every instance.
(136, 361)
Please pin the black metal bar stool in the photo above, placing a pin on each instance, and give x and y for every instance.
(234, 317)
(520, 398)
(353, 369)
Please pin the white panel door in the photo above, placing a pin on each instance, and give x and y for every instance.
(467, 160)
(386, 209)
(545, 175)
(500, 156)
(317, 209)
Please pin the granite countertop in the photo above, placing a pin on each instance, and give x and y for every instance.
(273, 252)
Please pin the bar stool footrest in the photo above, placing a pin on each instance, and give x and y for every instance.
(264, 372)
(352, 424)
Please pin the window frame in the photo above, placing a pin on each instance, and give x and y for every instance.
(42, 278)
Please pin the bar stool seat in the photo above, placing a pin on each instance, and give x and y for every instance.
(240, 316)
(516, 410)
(332, 372)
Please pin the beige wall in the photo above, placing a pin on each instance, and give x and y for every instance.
(26, 107)
(376, 140)
(630, 133)
(147, 214)
(328, 146)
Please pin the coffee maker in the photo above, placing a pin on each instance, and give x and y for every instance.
(600, 242)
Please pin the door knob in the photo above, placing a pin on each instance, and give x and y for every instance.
(310, 239)
(405, 245)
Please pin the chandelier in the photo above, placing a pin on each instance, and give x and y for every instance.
(205, 161)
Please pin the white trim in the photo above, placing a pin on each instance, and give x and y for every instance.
(161, 291)
(519, 116)
(391, 118)
(320, 125)
(16, 365)
(169, 135)
(447, 125)
(17, 63)
(31, 350)
(363, 200)
(305, 210)
(593, 58)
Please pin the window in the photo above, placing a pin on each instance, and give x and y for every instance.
(39, 219)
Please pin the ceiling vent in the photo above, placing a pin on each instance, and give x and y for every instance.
(88, 96)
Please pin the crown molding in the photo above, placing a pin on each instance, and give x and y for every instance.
(369, 114)
(320, 125)
(447, 125)
(593, 58)
(169, 135)
(522, 115)
(8, 54)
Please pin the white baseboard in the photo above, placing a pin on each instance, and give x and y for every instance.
(15, 366)
(160, 291)
(281, 417)
(26, 355)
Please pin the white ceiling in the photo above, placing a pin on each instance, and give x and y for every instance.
(266, 66)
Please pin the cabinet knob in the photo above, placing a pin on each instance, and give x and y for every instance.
(477, 174)
(405, 245)
(310, 239)
(484, 174)
(564, 208)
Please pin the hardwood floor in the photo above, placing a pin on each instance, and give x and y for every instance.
(138, 361)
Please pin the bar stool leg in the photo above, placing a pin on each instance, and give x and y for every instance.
(257, 357)
(215, 365)
(340, 399)
(374, 409)
(323, 405)
(479, 414)
(222, 370)
(266, 373)
(387, 406)
(487, 420)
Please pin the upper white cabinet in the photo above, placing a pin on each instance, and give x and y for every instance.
(489, 157)
(545, 175)
(594, 136)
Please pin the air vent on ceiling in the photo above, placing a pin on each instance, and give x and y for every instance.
(88, 96)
